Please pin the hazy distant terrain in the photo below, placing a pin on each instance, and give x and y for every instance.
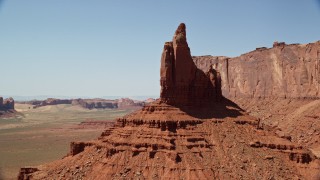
(43, 97)
(41, 135)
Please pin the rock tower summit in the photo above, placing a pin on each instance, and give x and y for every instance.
(182, 83)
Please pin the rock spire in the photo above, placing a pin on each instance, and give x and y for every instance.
(182, 83)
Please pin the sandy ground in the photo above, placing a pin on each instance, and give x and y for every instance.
(37, 136)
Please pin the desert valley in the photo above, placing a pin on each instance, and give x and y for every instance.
(35, 132)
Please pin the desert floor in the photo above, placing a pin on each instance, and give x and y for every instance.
(41, 135)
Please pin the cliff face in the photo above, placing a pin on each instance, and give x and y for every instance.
(182, 83)
(279, 85)
(284, 71)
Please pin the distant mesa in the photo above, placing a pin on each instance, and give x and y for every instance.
(103, 103)
(149, 100)
(49, 101)
(6, 106)
(97, 103)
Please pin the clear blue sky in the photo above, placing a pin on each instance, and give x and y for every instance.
(108, 48)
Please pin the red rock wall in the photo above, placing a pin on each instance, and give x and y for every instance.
(285, 71)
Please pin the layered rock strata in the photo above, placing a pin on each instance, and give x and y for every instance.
(283, 71)
(161, 141)
(279, 85)
(180, 137)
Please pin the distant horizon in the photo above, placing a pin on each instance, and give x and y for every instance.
(44, 97)
(93, 49)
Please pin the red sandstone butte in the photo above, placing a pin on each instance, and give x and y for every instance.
(191, 132)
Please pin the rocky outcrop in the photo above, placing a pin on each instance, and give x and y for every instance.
(162, 141)
(103, 103)
(25, 173)
(7, 107)
(78, 147)
(182, 137)
(182, 83)
(47, 102)
(6, 104)
(126, 102)
(95, 103)
(149, 100)
(278, 85)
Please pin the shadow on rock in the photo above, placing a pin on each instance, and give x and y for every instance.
(224, 108)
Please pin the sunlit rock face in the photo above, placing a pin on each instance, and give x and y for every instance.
(182, 83)
(283, 71)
